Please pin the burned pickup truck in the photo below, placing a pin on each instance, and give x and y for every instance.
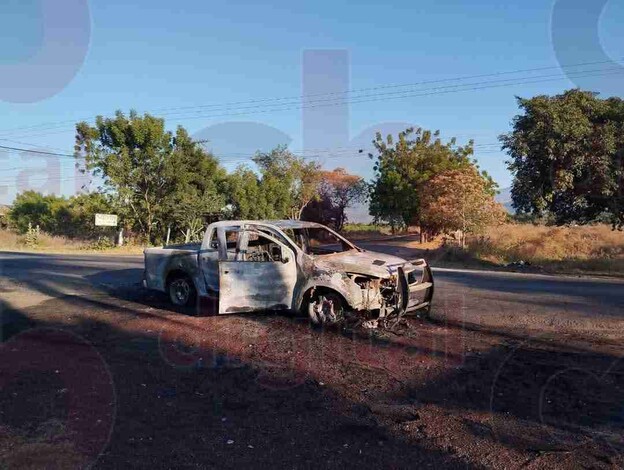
(245, 266)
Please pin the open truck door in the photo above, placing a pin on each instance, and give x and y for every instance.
(260, 275)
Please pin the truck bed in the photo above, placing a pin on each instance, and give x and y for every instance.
(156, 259)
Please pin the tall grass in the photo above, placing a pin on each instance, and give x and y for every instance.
(588, 248)
(363, 231)
(11, 241)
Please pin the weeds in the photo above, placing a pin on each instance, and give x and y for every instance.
(595, 248)
(31, 239)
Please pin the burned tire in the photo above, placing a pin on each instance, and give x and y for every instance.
(182, 293)
(325, 307)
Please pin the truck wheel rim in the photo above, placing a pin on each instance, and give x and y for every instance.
(179, 291)
(323, 310)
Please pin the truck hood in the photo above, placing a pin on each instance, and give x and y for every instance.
(368, 263)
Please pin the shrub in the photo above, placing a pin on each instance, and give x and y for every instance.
(31, 238)
(57, 215)
(102, 243)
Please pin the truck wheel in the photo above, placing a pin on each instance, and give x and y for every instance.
(182, 292)
(325, 308)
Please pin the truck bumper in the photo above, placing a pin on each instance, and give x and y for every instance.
(417, 286)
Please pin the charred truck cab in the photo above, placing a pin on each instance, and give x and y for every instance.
(244, 266)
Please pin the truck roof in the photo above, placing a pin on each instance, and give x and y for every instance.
(282, 224)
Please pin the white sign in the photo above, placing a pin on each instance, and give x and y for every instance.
(106, 220)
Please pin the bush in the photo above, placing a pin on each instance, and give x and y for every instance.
(31, 239)
(102, 243)
(31, 208)
(57, 215)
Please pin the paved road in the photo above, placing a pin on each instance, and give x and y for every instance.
(482, 298)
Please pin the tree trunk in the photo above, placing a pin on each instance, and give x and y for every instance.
(148, 231)
(340, 221)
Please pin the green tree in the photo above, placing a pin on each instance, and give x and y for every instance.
(245, 196)
(57, 215)
(51, 213)
(82, 210)
(31, 207)
(567, 157)
(288, 183)
(157, 178)
(404, 167)
(199, 191)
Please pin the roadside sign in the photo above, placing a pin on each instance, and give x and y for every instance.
(106, 220)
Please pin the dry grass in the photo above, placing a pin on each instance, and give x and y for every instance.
(365, 231)
(595, 248)
(11, 241)
(586, 249)
(372, 232)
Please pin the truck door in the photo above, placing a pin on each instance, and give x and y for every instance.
(209, 262)
(261, 276)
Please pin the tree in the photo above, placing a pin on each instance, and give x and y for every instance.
(35, 209)
(158, 178)
(288, 183)
(343, 190)
(57, 215)
(306, 183)
(337, 190)
(403, 169)
(132, 155)
(199, 191)
(567, 157)
(245, 197)
(459, 199)
(82, 210)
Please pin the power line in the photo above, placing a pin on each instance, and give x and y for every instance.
(55, 125)
(223, 159)
(39, 152)
(437, 91)
(402, 92)
(46, 179)
(401, 95)
(332, 152)
(29, 143)
(404, 85)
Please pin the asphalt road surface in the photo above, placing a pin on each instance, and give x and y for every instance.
(513, 370)
(472, 296)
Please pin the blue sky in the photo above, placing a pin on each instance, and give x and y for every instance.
(153, 55)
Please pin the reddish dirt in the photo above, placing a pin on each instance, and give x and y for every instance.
(119, 382)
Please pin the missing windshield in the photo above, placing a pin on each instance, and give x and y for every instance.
(318, 241)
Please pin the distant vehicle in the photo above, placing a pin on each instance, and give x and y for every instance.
(245, 266)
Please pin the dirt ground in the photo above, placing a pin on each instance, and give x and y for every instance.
(116, 379)
(271, 391)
